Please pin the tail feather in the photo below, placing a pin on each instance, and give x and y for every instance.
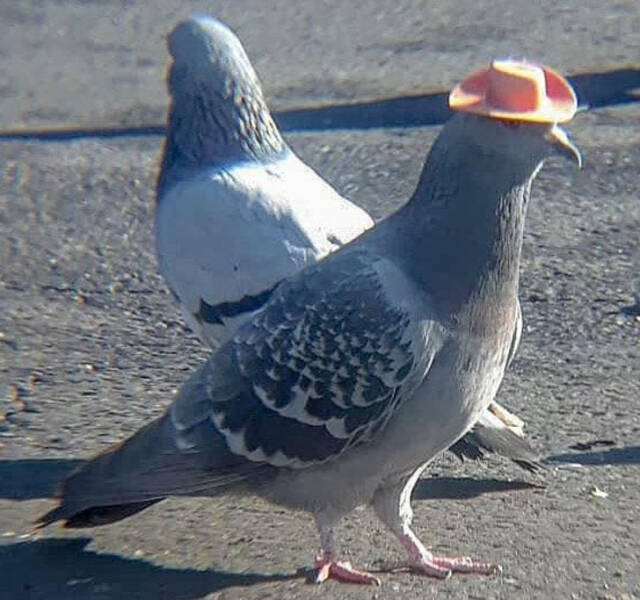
(144, 469)
(94, 516)
(112, 485)
(490, 434)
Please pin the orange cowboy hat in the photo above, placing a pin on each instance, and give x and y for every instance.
(516, 90)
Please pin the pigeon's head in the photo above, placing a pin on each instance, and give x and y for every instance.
(206, 52)
(518, 146)
(218, 113)
(510, 113)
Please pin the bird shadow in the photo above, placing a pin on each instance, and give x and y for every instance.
(63, 569)
(615, 456)
(28, 479)
(465, 488)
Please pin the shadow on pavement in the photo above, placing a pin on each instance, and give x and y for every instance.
(464, 488)
(62, 569)
(408, 111)
(608, 88)
(616, 456)
(632, 310)
(594, 90)
(28, 479)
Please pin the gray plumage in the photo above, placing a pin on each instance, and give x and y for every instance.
(218, 114)
(237, 211)
(359, 370)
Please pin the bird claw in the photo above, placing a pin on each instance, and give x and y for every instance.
(420, 560)
(422, 567)
(329, 568)
(443, 567)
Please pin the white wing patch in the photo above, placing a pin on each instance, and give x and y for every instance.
(226, 234)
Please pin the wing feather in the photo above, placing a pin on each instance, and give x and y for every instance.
(320, 369)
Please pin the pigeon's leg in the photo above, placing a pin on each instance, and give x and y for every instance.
(393, 506)
(327, 564)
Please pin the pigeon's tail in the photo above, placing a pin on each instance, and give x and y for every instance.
(94, 516)
(154, 463)
(491, 435)
(117, 483)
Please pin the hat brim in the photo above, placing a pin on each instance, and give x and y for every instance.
(561, 105)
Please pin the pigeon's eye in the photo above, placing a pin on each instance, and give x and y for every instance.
(511, 124)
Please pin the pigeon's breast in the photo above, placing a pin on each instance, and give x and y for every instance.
(463, 379)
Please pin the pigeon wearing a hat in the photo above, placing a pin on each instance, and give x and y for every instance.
(237, 211)
(359, 370)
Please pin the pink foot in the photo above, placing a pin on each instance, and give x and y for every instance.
(441, 567)
(330, 568)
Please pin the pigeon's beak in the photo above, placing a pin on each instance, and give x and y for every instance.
(563, 146)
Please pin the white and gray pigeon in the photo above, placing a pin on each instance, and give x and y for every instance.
(237, 211)
(358, 370)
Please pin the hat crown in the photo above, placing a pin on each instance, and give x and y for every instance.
(518, 87)
(517, 90)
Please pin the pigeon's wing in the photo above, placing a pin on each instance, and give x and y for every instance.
(226, 238)
(321, 368)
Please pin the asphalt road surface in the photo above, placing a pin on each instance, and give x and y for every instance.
(92, 346)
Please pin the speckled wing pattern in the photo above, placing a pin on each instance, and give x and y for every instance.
(320, 369)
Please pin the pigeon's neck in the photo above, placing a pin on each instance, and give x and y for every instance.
(461, 234)
(218, 123)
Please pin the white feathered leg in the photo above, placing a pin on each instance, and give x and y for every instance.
(393, 506)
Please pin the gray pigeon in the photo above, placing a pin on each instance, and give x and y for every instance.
(362, 368)
(237, 211)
